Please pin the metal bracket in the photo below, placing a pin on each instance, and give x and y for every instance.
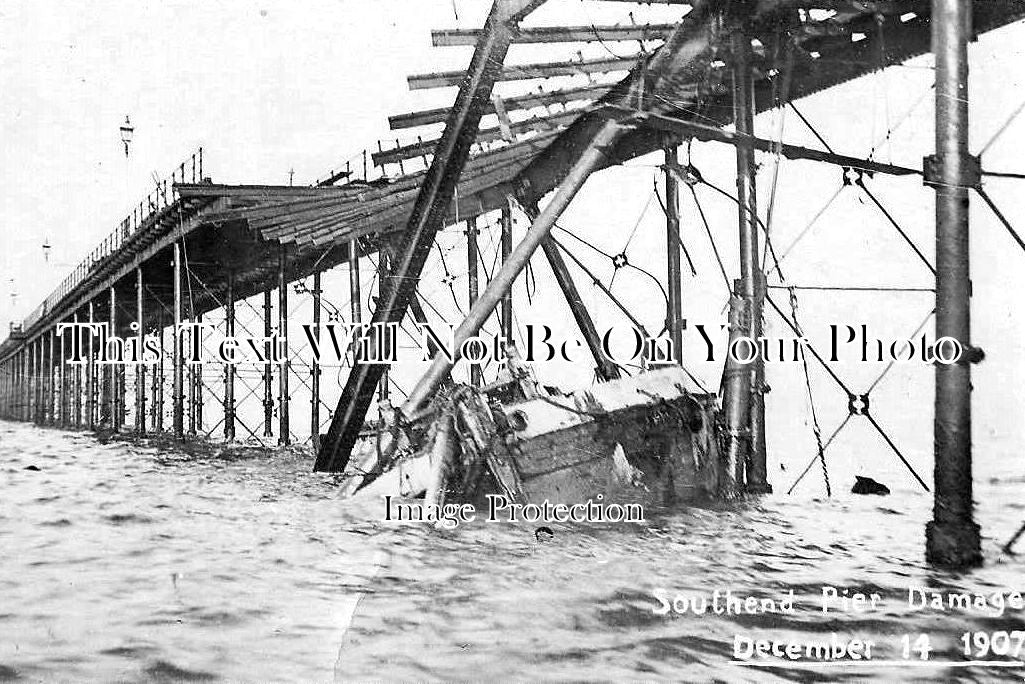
(852, 176)
(971, 174)
(858, 404)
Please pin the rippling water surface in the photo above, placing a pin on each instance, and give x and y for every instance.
(130, 562)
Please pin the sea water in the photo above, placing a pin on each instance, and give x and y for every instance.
(132, 561)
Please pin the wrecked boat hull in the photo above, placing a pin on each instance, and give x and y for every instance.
(643, 439)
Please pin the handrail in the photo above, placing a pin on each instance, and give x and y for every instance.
(190, 170)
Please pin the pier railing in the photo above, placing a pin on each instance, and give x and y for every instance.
(357, 168)
(161, 197)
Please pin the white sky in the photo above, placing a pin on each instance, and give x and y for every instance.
(271, 86)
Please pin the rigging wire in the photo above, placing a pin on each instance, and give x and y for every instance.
(1004, 127)
(622, 307)
(881, 76)
(904, 118)
(1000, 216)
(859, 181)
(621, 258)
(711, 239)
(807, 228)
(679, 238)
(816, 428)
(852, 396)
(614, 260)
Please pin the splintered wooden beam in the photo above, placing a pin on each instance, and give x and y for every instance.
(557, 34)
(522, 72)
(519, 102)
(424, 147)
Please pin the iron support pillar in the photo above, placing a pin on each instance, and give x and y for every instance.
(736, 403)
(37, 375)
(752, 281)
(315, 369)
(229, 368)
(40, 384)
(52, 373)
(30, 354)
(62, 390)
(190, 402)
(77, 395)
(45, 377)
(427, 217)
(591, 157)
(140, 367)
(158, 378)
(284, 433)
(20, 408)
(197, 383)
(674, 313)
(268, 369)
(177, 353)
(41, 379)
(66, 384)
(952, 537)
(90, 372)
(35, 381)
(113, 405)
(30, 385)
(23, 385)
(25, 409)
(476, 377)
(507, 299)
(26, 384)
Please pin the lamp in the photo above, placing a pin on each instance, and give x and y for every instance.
(126, 133)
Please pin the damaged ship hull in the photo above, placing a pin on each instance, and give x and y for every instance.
(638, 439)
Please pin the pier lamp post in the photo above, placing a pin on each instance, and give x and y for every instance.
(126, 133)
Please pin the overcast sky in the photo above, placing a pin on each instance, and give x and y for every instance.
(271, 87)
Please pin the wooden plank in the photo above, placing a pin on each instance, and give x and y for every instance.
(260, 191)
(557, 34)
(426, 147)
(515, 103)
(522, 72)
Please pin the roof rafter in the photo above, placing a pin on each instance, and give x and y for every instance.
(425, 147)
(518, 102)
(522, 72)
(557, 34)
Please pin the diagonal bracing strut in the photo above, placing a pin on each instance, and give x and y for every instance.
(427, 218)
